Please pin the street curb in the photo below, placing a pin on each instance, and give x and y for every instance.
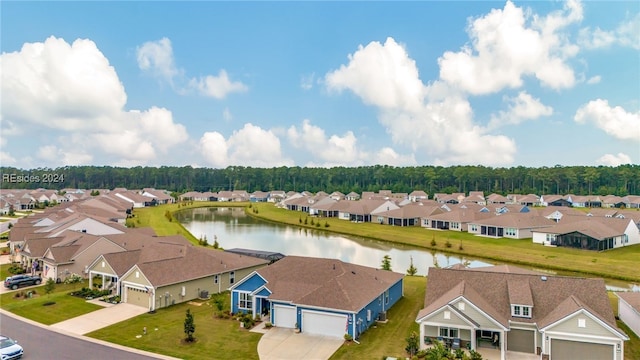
(86, 338)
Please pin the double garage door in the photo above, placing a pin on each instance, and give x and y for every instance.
(565, 349)
(313, 322)
(326, 324)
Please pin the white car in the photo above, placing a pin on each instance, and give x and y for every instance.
(9, 348)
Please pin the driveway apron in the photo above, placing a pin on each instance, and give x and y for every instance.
(284, 344)
(98, 319)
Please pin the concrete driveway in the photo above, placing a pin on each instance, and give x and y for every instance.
(98, 319)
(284, 344)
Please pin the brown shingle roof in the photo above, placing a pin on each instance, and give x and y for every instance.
(631, 298)
(328, 283)
(553, 297)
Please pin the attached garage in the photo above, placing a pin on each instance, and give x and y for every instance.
(326, 324)
(521, 341)
(565, 349)
(136, 296)
(284, 316)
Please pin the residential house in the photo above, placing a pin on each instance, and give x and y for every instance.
(352, 196)
(475, 197)
(632, 201)
(410, 214)
(457, 219)
(511, 225)
(589, 233)
(629, 310)
(318, 296)
(528, 200)
(418, 195)
(518, 312)
(498, 199)
(259, 196)
(170, 270)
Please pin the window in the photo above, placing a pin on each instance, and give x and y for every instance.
(232, 277)
(521, 311)
(448, 332)
(215, 279)
(244, 301)
(447, 315)
(461, 306)
(582, 323)
(386, 297)
(368, 315)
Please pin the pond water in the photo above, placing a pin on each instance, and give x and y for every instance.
(232, 228)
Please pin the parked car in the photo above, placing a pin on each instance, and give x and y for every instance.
(9, 348)
(16, 281)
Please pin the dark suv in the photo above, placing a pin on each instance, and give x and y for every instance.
(16, 281)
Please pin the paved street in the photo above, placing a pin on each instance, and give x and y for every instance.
(41, 343)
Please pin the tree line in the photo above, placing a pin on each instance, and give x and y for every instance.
(580, 180)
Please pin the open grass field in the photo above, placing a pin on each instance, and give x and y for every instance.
(215, 338)
(65, 307)
(619, 263)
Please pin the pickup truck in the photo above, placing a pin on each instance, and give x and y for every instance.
(16, 281)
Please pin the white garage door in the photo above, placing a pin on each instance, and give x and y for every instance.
(565, 349)
(284, 316)
(326, 324)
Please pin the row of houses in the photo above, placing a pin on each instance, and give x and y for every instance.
(19, 199)
(319, 296)
(527, 312)
(592, 229)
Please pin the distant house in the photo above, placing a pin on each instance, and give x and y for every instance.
(318, 296)
(418, 195)
(520, 312)
(511, 225)
(589, 233)
(259, 196)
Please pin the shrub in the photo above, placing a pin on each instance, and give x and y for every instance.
(326, 224)
(16, 269)
(348, 337)
(73, 278)
(447, 244)
(433, 242)
(268, 325)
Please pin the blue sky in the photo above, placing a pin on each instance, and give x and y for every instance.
(264, 84)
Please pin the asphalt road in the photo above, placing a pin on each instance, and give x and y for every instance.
(41, 343)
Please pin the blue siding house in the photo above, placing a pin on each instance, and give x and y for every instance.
(318, 296)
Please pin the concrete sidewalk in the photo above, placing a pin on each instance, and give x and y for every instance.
(284, 344)
(98, 319)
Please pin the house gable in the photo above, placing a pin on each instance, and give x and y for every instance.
(250, 283)
(135, 276)
(583, 323)
(101, 265)
(448, 315)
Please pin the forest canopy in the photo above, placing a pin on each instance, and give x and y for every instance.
(579, 180)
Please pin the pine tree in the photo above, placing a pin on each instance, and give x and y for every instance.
(412, 270)
(386, 263)
(189, 326)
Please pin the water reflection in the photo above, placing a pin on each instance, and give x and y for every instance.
(234, 229)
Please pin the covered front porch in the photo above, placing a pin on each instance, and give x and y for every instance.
(489, 341)
(109, 281)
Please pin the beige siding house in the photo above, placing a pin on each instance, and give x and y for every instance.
(520, 312)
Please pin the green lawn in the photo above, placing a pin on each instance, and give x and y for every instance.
(616, 264)
(216, 338)
(389, 339)
(65, 307)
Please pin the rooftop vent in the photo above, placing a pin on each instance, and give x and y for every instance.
(353, 272)
(543, 278)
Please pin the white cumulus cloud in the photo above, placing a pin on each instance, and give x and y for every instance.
(73, 92)
(615, 121)
(156, 57)
(249, 146)
(388, 156)
(435, 121)
(333, 150)
(614, 160)
(217, 87)
(507, 45)
(594, 80)
(522, 107)
(627, 34)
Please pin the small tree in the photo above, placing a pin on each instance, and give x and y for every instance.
(413, 344)
(189, 326)
(386, 263)
(49, 286)
(411, 271)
